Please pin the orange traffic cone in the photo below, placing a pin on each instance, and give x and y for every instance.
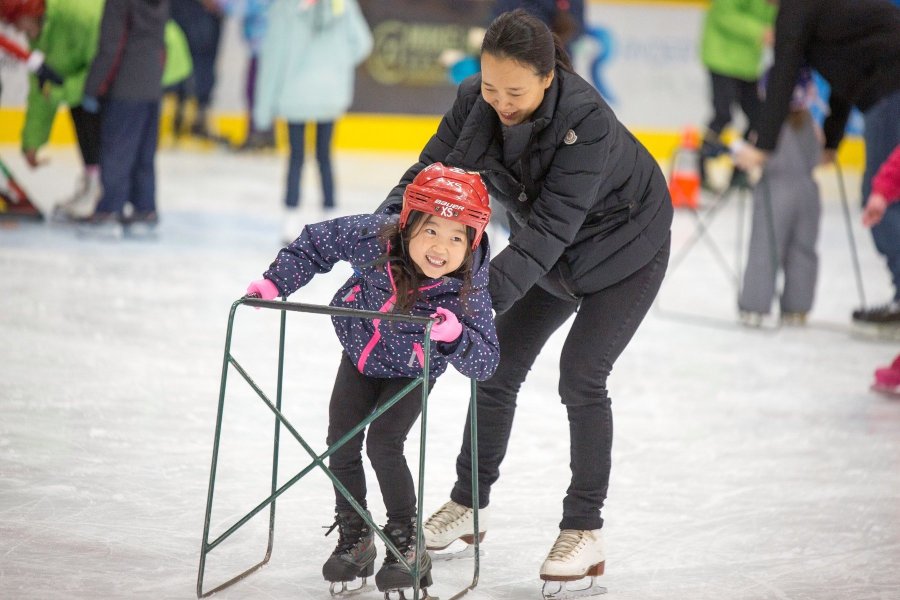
(684, 179)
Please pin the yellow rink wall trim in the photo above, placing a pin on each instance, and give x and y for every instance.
(374, 132)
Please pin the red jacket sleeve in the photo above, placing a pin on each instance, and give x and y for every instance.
(887, 180)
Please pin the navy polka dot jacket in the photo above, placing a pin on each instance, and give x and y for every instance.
(386, 349)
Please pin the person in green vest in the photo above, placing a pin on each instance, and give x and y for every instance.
(66, 33)
(735, 34)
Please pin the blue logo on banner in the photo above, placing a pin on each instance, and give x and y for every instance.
(604, 40)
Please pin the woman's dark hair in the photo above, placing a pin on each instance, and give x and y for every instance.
(527, 40)
(407, 277)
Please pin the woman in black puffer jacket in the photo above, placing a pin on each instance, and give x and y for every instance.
(589, 217)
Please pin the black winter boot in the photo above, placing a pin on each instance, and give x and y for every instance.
(354, 555)
(393, 575)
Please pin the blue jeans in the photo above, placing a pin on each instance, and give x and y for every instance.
(296, 138)
(604, 324)
(129, 131)
(882, 134)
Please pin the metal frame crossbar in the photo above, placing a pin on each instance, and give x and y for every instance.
(318, 460)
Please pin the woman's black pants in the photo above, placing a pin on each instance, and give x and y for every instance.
(604, 323)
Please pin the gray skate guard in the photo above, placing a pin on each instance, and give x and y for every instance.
(318, 460)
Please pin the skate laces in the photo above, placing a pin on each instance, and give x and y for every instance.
(404, 538)
(350, 531)
(568, 541)
(445, 518)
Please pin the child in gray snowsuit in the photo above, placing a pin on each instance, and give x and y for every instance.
(786, 206)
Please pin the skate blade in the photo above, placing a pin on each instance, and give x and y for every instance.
(455, 550)
(881, 332)
(398, 594)
(560, 590)
(60, 216)
(339, 589)
(887, 390)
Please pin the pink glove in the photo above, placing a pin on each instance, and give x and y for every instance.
(448, 327)
(262, 288)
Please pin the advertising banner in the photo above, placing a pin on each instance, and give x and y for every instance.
(642, 57)
(404, 74)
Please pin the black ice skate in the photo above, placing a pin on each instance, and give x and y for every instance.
(394, 576)
(354, 555)
(878, 322)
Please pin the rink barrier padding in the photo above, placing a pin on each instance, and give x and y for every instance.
(368, 132)
(318, 460)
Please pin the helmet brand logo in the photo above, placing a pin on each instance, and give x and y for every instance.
(447, 209)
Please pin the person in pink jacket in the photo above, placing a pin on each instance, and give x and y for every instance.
(885, 191)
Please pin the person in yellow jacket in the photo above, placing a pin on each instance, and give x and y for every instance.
(66, 34)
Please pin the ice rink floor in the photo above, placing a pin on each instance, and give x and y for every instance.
(747, 464)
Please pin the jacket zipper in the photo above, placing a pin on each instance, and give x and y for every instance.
(386, 307)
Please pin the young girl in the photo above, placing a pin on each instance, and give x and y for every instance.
(786, 203)
(432, 260)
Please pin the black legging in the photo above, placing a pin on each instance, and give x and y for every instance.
(87, 130)
(354, 397)
(604, 324)
(726, 91)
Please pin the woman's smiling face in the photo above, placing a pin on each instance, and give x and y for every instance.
(513, 90)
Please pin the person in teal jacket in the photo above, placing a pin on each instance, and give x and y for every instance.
(735, 34)
(306, 75)
(67, 33)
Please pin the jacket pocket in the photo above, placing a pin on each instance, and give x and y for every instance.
(600, 223)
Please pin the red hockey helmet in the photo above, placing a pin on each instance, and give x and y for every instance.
(450, 193)
(13, 10)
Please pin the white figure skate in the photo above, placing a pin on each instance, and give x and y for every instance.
(82, 203)
(575, 556)
(449, 532)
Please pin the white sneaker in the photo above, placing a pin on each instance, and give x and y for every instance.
(291, 225)
(751, 319)
(575, 554)
(82, 203)
(794, 319)
(453, 522)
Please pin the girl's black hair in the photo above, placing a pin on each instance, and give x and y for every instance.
(407, 277)
(527, 40)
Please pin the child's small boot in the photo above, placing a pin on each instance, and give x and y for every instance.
(887, 379)
(393, 575)
(354, 555)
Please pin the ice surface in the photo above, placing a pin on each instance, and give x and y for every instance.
(747, 464)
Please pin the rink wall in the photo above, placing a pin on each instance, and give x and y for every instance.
(643, 55)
